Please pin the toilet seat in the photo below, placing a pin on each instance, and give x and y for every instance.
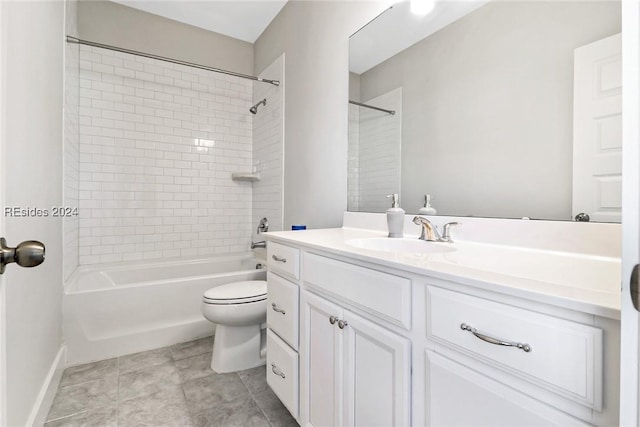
(237, 293)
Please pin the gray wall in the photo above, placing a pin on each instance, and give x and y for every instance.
(488, 108)
(314, 35)
(32, 85)
(122, 26)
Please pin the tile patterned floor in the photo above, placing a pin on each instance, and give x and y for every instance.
(172, 386)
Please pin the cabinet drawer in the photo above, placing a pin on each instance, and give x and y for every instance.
(485, 402)
(282, 372)
(381, 294)
(283, 259)
(564, 357)
(282, 308)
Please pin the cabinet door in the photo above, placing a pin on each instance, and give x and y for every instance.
(459, 396)
(321, 362)
(377, 375)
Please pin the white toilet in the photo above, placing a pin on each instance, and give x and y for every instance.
(238, 309)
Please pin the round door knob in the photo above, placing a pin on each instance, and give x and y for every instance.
(582, 217)
(342, 324)
(29, 253)
(333, 319)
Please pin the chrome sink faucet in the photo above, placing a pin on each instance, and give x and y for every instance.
(430, 232)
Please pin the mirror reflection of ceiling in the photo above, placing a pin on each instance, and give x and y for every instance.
(484, 108)
(392, 33)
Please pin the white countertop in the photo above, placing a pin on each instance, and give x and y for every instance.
(582, 282)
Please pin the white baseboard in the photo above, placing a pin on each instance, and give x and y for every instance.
(48, 391)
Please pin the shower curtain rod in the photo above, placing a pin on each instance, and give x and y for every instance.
(360, 104)
(76, 40)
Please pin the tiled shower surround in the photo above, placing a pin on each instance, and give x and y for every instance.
(158, 144)
(374, 153)
(268, 131)
(353, 178)
(71, 140)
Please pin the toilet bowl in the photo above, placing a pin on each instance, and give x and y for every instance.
(238, 309)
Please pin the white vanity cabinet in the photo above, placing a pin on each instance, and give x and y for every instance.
(354, 372)
(282, 324)
(510, 365)
(457, 395)
(375, 345)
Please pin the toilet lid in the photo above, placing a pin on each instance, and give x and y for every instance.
(237, 292)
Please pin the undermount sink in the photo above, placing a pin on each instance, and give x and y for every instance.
(404, 245)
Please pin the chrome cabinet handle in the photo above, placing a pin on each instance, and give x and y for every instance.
(342, 324)
(522, 346)
(277, 370)
(333, 319)
(275, 308)
(277, 258)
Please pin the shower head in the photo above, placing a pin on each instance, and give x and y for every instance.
(254, 109)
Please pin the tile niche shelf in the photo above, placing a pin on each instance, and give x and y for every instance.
(245, 176)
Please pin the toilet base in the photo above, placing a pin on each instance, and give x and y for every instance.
(236, 348)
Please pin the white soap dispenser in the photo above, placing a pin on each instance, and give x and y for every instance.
(395, 217)
(427, 209)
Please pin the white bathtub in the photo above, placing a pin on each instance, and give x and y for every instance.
(131, 307)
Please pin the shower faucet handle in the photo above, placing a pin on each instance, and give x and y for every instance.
(263, 226)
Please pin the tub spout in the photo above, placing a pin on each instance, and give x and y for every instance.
(260, 244)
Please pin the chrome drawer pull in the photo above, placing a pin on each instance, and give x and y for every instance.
(277, 370)
(277, 258)
(342, 324)
(333, 319)
(276, 308)
(522, 346)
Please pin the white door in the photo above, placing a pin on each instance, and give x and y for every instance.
(3, 370)
(320, 362)
(377, 368)
(597, 130)
(630, 322)
(31, 100)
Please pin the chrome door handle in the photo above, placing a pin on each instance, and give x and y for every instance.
(582, 217)
(29, 253)
(277, 309)
(634, 288)
(522, 346)
(277, 370)
(342, 324)
(333, 319)
(277, 258)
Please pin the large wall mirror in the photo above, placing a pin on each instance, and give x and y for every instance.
(505, 109)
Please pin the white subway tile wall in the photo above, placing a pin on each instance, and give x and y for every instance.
(268, 148)
(353, 177)
(71, 183)
(158, 143)
(379, 152)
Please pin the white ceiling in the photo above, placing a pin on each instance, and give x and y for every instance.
(390, 33)
(240, 19)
